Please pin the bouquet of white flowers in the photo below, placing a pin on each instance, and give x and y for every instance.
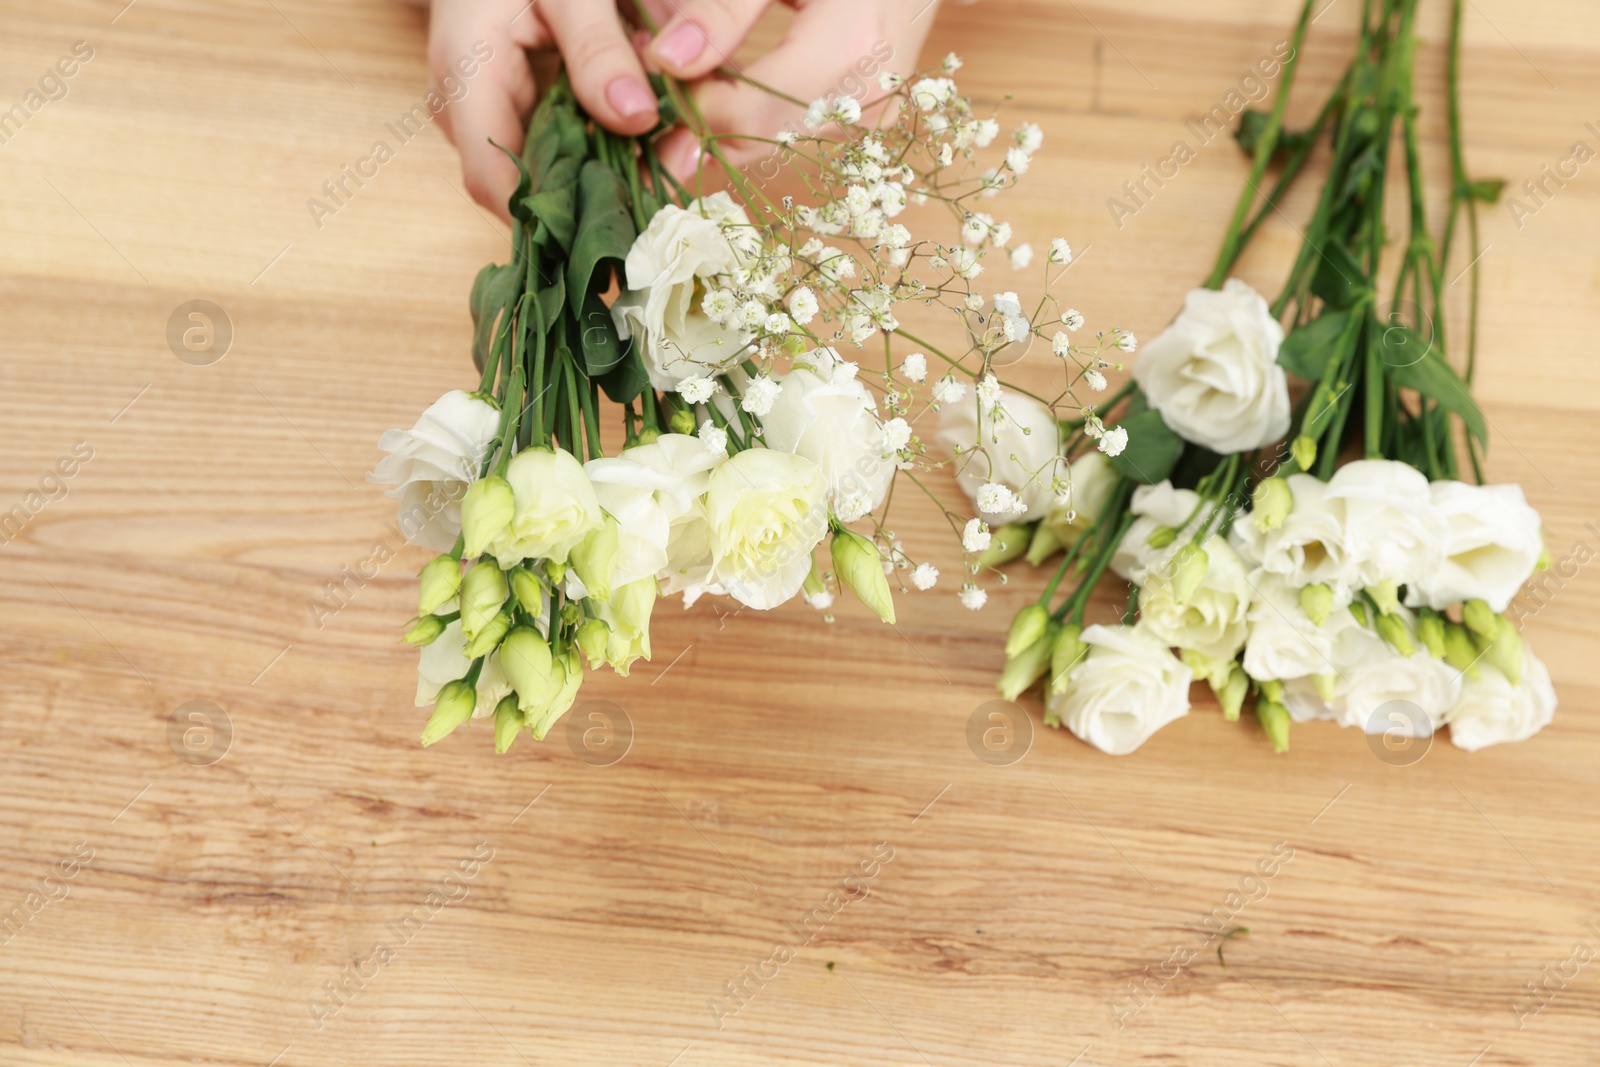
(1371, 593)
(717, 327)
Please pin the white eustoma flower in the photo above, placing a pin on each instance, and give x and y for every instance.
(431, 465)
(1492, 547)
(556, 508)
(1213, 373)
(1309, 546)
(1376, 689)
(1284, 643)
(1016, 443)
(445, 660)
(1392, 530)
(1128, 686)
(1491, 710)
(651, 489)
(1156, 506)
(767, 512)
(680, 248)
(833, 422)
(1212, 621)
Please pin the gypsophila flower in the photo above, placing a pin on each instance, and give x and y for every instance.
(778, 324)
(822, 599)
(714, 438)
(1060, 251)
(1072, 319)
(1094, 380)
(697, 390)
(1021, 256)
(717, 305)
(1127, 342)
(1113, 441)
(852, 506)
(973, 301)
(951, 64)
(1028, 137)
(759, 394)
(995, 498)
(964, 262)
(787, 137)
(889, 81)
(914, 368)
(803, 305)
(949, 390)
(896, 434)
(987, 131)
(1017, 160)
(989, 392)
(974, 229)
(947, 155)
(973, 598)
(1061, 344)
(1014, 323)
(843, 371)
(925, 575)
(931, 93)
(975, 536)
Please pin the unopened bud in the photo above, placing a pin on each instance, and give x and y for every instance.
(1506, 652)
(1392, 628)
(425, 629)
(453, 707)
(1189, 568)
(1304, 451)
(1231, 695)
(437, 583)
(1006, 543)
(1430, 631)
(1029, 665)
(860, 569)
(1161, 537)
(483, 591)
(489, 636)
(508, 722)
(1026, 628)
(1044, 544)
(591, 640)
(683, 421)
(595, 559)
(1386, 595)
(1316, 600)
(1359, 611)
(1066, 652)
(1271, 503)
(1274, 719)
(529, 592)
(1459, 651)
(1480, 619)
(486, 511)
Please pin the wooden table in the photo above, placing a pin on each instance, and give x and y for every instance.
(213, 906)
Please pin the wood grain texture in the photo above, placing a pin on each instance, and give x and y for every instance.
(771, 754)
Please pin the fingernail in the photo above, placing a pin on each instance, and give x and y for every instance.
(685, 159)
(629, 97)
(680, 45)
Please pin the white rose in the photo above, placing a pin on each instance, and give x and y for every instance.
(653, 491)
(1213, 620)
(445, 660)
(1309, 546)
(1492, 710)
(1214, 375)
(1392, 530)
(556, 508)
(431, 465)
(1017, 443)
(833, 423)
(1492, 547)
(767, 511)
(1155, 506)
(1128, 686)
(679, 248)
(1284, 643)
(1369, 674)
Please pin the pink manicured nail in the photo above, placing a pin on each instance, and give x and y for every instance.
(680, 45)
(685, 160)
(629, 97)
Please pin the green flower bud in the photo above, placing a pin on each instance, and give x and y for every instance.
(529, 667)
(1026, 628)
(1430, 631)
(1272, 689)
(647, 436)
(570, 676)
(1459, 651)
(1231, 695)
(453, 707)
(591, 640)
(1029, 665)
(437, 583)
(556, 572)
(1208, 669)
(425, 629)
(508, 722)
(1161, 537)
(1044, 543)
(1324, 684)
(860, 569)
(1304, 451)
(1271, 503)
(1392, 628)
(1316, 600)
(1274, 719)
(1386, 595)
(489, 636)
(628, 616)
(1006, 543)
(1189, 568)
(528, 590)
(1544, 560)
(1480, 619)
(595, 559)
(682, 421)
(1359, 611)
(483, 591)
(1066, 652)
(486, 511)
(1506, 651)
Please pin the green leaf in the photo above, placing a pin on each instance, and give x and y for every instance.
(494, 290)
(605, 233)
(1431, 377)
(524, 183)
(627, 379)
(1253, 123)
(1153, 449)
(555, 204)
(1307, 349)
(1488, 190)
(1340, 280)
(597, 337)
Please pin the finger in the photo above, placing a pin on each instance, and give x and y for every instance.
(702, 34)
(605, 71)
(495, 113)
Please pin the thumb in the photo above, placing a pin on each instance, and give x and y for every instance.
(702, 34)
